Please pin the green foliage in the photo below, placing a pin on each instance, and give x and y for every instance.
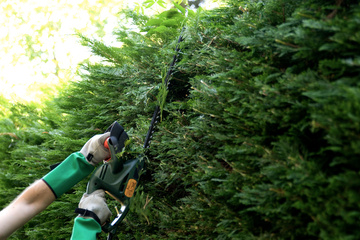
(161, 97)
(140, 8)
(259, 137)
(164, 27)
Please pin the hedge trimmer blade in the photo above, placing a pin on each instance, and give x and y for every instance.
(118, 177)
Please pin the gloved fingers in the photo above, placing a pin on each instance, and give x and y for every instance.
(94, 150)
(99, 193)
(92, 198)
(96, 203)
(107, 215)
(101, 152)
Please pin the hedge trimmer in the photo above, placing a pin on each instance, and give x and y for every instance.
(118, 177)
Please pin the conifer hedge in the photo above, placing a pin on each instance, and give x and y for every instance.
(259, 137)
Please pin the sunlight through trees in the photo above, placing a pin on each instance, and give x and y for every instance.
(39, 47)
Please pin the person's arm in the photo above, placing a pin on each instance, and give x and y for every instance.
(32, 201)
(42, 193)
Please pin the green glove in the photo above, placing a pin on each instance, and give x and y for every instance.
(85, 229)
(76, 166)
(71, 171)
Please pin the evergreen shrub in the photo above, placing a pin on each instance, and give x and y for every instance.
(260, 131)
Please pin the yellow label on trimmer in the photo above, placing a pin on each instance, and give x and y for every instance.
(130, 188)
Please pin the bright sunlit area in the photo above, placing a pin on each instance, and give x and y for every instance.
(39, 46)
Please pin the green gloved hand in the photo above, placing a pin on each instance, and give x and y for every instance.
(93, 213)
(77, 165)
(94, 149)
(95, 203)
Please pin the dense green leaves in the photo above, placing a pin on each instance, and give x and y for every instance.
(259, 135)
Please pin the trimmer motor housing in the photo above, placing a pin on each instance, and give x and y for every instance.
(117, 177)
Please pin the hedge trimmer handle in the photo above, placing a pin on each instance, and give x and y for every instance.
(116, 177)
(106, 143)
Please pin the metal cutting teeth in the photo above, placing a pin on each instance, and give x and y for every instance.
(156, 114)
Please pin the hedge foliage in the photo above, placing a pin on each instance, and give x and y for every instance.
(260, 132)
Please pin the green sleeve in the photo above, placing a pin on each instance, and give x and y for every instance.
(71, 171)
(85, 229)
